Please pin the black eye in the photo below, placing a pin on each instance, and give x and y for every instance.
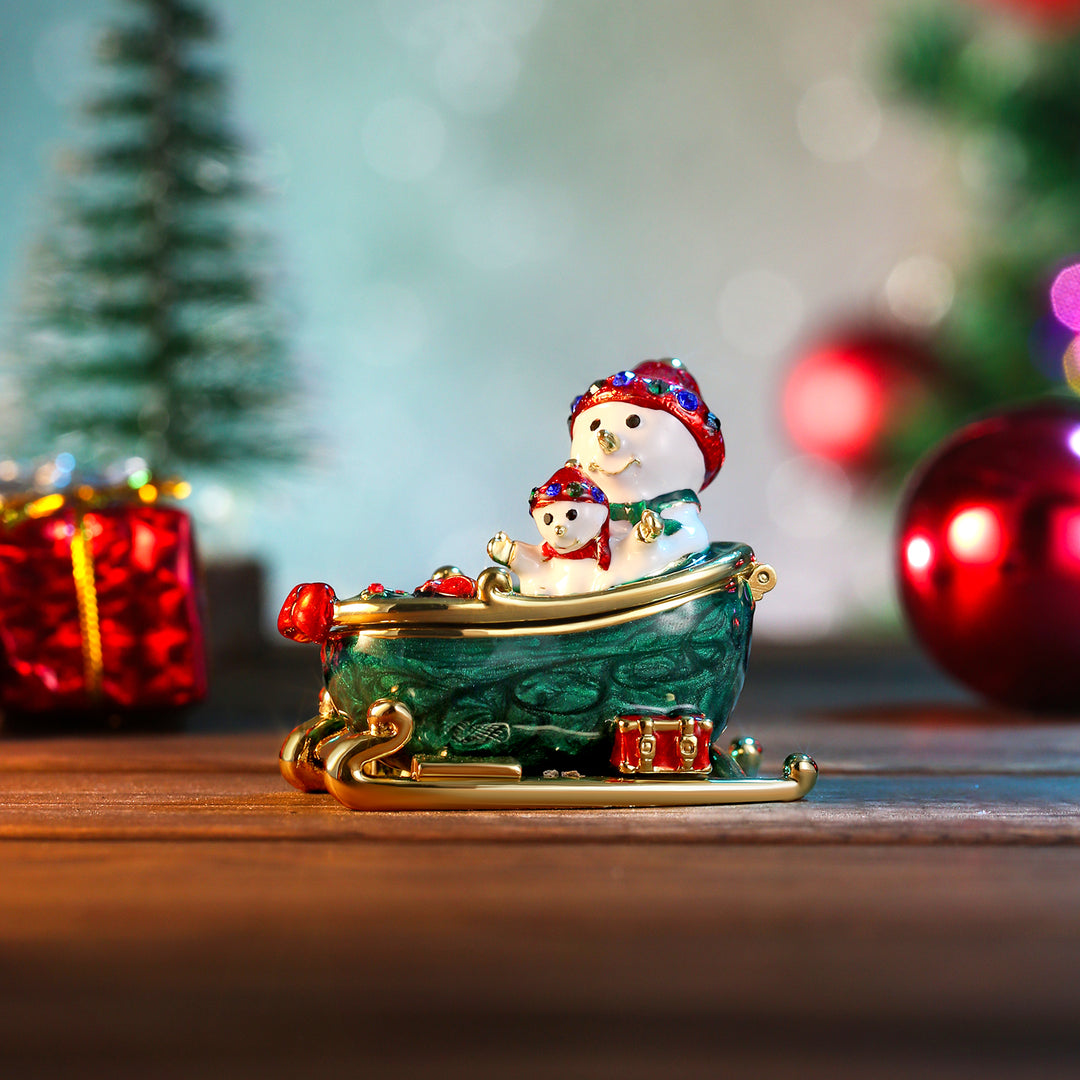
(594, 425)
(548, 519)
(633, 420)
(571, 515)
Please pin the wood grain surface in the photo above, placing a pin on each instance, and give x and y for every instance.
(170, 908)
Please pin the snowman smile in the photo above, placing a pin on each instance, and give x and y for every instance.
(595, 466)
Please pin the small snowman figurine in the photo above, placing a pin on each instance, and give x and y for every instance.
(571, 514)
(649, 441)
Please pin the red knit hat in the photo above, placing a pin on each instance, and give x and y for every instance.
(667, 385)
(569, 484)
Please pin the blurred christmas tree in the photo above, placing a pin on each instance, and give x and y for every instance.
(1003, 78)
(145, 328)
(1007, 84)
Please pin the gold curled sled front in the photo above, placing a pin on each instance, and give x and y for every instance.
(358, 770)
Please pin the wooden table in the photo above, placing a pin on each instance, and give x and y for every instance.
(168, 904)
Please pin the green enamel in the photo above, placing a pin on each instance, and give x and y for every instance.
(548, 700)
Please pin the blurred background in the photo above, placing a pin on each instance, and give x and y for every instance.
(466, 211)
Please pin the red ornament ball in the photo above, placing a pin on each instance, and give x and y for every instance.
(988, 556)
(842, 397)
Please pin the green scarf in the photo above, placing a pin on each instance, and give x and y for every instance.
(633, 511)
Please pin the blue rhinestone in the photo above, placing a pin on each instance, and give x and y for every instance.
(622, 378)
(598, 495)
(576, 402)
(552, 490)
(687, 401)
(713, 421)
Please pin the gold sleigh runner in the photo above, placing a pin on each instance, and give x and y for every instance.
(438, 702)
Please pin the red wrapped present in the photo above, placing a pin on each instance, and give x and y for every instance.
(662, 744)
(99, 605)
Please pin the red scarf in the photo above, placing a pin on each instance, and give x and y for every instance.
(598, 548)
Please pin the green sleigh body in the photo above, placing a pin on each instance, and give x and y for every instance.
(505, 700)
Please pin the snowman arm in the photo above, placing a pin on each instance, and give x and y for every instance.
(514, 554)
(526, 557)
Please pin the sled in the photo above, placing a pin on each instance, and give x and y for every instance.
(505, 701)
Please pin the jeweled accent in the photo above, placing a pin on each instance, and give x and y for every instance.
(658, 384)
(568, 484)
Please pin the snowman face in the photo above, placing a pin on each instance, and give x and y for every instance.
(568, 525)
(635, 453)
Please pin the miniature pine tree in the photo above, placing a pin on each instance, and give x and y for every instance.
(145, 328)
(1013, 98)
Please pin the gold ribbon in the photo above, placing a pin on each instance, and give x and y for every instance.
(141, 487)
(82, 570)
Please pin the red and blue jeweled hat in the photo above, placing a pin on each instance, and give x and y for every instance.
(667, 385)
(569, 484)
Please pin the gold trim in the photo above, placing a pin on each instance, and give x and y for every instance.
(746, 752)
(761, 579)
(498, 611)
(441, 572)
(426, 771)
(82, 570)
(355, 778)
(302, 752)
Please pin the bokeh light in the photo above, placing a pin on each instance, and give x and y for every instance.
(920, 290)
(919, 553)
(834, 405)
(1070, 365)
(975, 536)
(1066, 544)
(1065, 297)
(215, 504)
(1074, 442)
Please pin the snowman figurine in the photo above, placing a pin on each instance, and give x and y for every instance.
(571, 514)
(649, 441)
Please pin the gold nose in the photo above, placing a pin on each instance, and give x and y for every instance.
(608, 440)
(560, 529)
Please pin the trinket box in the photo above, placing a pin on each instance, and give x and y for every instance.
(603, 679)
(504, 700)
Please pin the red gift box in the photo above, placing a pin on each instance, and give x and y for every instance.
(99, 608)
(662, 744)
